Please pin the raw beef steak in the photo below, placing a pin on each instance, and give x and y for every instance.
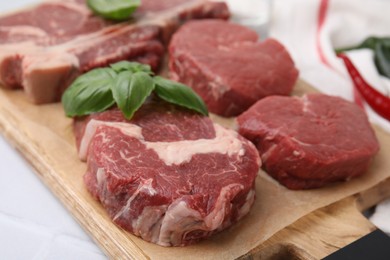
(311, 141)
(49, 23)
(170, 176)
(44, 48)
(227, 66)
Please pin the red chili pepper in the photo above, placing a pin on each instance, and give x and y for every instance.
(377, 101)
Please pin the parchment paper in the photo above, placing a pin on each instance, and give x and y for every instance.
(44, 136)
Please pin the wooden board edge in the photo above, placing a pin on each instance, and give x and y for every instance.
(45, 172)
(331, 227)
(61, 191)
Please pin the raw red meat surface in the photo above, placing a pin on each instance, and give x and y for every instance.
(168, 175)
(311, 141)
(227, 66)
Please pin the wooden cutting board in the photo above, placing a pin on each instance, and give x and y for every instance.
(282, 223)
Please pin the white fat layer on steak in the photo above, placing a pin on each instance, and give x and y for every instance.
(36, 77)
(84, 40)
(168, 224)
(92, 126)
(53, 59)
(46, 57)
(101, 177)
(215, 218)
(145, 186)
(225, 142)
(148, 224)
(249, 200)
(36, 58)
(24, 30)
(49, 66)
(172, 153)
(179, 219)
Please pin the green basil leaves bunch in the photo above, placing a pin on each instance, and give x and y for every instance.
(128, 85)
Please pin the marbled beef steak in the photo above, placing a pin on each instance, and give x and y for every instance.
(227, 66)
(311, 141)
(170, 176)
(45, 47)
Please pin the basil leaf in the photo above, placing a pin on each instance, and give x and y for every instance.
(381, 48)
(89, 93)
(114, 9)
(382, 58)
(131, 66)
(130, 91)
(368, 43)
(179, 94)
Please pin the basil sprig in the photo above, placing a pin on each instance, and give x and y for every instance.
(114, 9)
(128, 85)
(179, 94)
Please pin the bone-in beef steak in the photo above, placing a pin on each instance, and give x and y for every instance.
(49, 23)
(227, 66)
(170, 176)
(44, 48)
(311, 141)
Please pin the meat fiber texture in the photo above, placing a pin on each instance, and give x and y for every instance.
(227, 66)
(44, 48)
(169, 176)
(311, 141)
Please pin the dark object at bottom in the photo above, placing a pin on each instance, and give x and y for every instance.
(375, 245)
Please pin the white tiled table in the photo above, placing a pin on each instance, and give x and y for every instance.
(33, 223)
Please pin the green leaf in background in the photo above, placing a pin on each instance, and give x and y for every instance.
(114, 9)
(381, 48)
(89, 93)
(179, 94)
(131, 66)
(382, 58)
(130, 91)
(368, 43)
